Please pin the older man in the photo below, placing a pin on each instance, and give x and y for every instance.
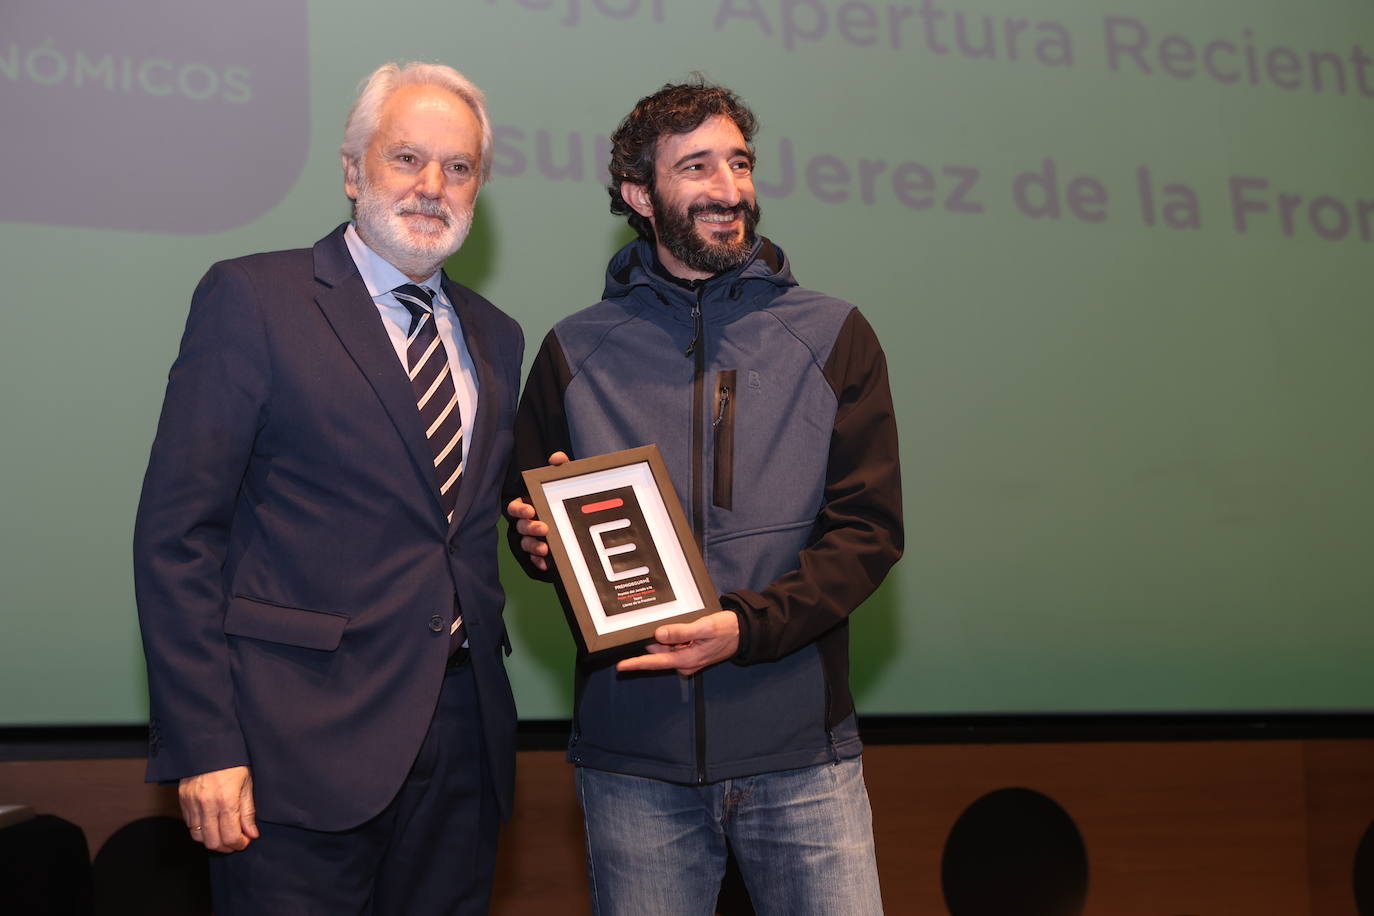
(771, 406)
(315, 552)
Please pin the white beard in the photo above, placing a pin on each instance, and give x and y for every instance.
(417, 250)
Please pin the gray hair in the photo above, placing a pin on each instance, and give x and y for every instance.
(386, 79)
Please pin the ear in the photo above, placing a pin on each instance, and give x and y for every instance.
(637, 196)
(350, 170)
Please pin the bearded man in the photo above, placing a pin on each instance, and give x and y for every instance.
(315, 550)
(770, 404)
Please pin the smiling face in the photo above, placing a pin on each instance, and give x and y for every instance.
(703, 206)
(417, 181)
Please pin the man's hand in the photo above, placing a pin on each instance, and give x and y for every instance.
(533, 532)
(218, 808)
(689, 647)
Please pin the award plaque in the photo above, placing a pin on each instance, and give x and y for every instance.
(624, 551)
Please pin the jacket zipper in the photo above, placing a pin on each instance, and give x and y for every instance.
(697, 349)
(694, 346)
(722, 482)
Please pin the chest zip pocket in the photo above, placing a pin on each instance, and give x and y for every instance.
(723, 427)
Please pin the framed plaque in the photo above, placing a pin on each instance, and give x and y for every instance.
(623, 549)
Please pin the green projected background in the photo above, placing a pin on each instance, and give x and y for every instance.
(1119, 255)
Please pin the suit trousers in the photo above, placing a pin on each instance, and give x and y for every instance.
(432, 850)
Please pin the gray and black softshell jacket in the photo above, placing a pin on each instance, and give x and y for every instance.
(770, 404)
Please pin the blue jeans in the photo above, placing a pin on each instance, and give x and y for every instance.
(803, 840)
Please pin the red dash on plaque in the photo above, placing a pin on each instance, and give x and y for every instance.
(602, 506)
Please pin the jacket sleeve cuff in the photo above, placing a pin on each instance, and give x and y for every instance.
(732, 603)
(170, 760)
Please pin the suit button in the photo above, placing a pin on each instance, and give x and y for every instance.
(452, 548)
(436, 623)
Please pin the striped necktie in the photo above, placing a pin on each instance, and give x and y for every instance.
(437, 399)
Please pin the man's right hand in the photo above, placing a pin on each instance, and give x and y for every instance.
(218, 808)
(534, 533)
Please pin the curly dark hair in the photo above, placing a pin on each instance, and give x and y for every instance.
(677, 108)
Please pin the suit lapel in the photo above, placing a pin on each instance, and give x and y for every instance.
(350, 311)
(477, 337)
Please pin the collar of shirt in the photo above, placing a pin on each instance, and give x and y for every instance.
(380, 275)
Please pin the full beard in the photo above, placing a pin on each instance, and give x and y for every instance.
(678, 232)
(415, 249)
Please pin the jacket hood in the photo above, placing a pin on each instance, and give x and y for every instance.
(633, 266)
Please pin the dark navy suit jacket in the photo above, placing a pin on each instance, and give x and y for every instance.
(295, 572)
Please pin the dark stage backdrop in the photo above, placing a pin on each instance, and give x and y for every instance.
(1119, 255)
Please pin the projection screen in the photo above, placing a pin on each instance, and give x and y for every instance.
(1119, 255)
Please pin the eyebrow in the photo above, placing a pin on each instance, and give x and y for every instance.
(697, 154)
(404, 146)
